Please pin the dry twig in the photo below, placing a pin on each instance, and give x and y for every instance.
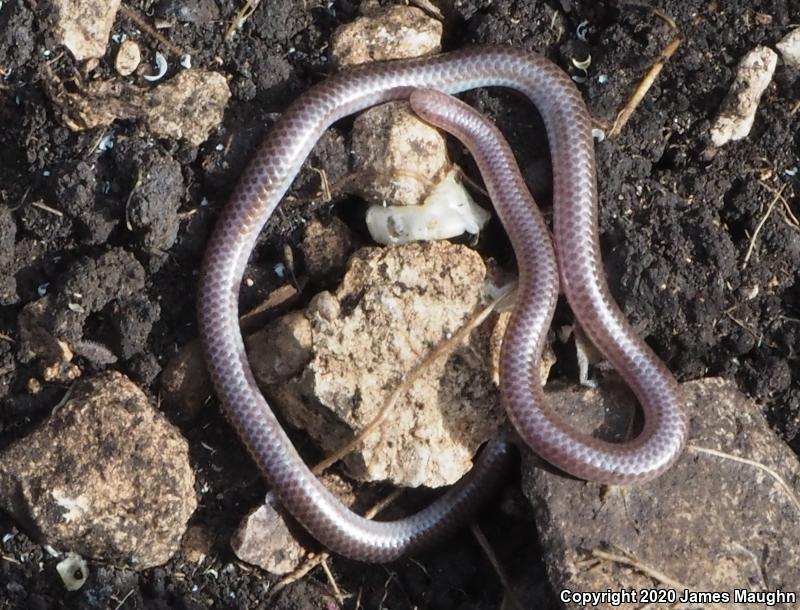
(48, 209)
(140, 22)
(634, 563)
(764, 468)
(644, 85)
(498, 568)
(760, 224)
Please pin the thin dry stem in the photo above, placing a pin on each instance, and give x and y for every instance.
(761, 223)
(649, 571)
(430, 8)
(47, 208)
(652, 74)
(763, 467)
(150, 30)
(326, 187)
(243, 15)
(483, 542)
(329, 575)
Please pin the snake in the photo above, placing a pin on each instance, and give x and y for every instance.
(575, 264)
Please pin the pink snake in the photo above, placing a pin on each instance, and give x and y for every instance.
(269, 176)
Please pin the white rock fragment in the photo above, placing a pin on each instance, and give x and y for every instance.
(738, 109)
(448, 211)
(789, 47)
(402, 31)
(73, 571)
(83, 26)
(397, 156)
(128, 58)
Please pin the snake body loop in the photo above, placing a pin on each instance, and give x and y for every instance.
(568, 124)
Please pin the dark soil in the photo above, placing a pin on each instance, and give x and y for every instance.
(676, 218)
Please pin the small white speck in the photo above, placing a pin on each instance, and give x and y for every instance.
(46, 53)
(41, 289)
(280, 270)
(46, 172)
(51, 551)
(791, 171)
(106, 143)
(8, 538)
(602, 78)
(186, 61)
(219, 147)
(249, 282)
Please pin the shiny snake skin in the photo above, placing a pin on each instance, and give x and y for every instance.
(270, 175)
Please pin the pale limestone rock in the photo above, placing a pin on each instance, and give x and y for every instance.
(128, 58)
(789, 48)
(738, 109)
(105, 476)
(83, 26)
(330, 369)
(187, 106)
(401, 31)
(266, 537)
(398, 157)
(710, 523)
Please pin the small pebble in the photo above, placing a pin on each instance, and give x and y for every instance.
(128, 58)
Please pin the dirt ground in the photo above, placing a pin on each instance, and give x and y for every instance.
(677, 219)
